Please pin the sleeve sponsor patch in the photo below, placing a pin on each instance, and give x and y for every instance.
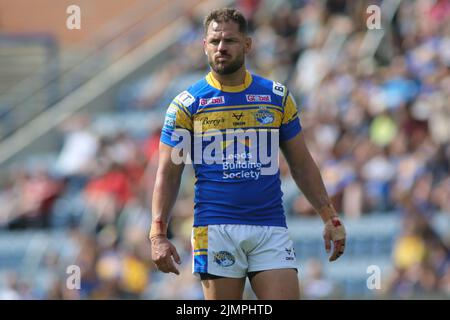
(185, 98)
(278, 89)
(171, 117)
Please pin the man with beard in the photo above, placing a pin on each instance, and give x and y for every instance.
(239, 225)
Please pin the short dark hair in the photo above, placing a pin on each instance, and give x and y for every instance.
(224, 15)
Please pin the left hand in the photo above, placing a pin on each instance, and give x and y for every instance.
(334, 231)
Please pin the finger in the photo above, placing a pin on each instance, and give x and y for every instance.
(342, 247)
(327, 240)
(161, 267)
(173, 269)
(162, 262)
(176, 256)
(169, 266)
(336, 250)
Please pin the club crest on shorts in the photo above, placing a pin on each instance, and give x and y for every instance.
(264, 116)
(224, 258)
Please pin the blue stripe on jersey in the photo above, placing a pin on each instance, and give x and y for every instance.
(247, 106)
(241, 108)
(181, 108)
(290, 130)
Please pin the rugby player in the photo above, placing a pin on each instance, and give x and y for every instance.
(239, 227)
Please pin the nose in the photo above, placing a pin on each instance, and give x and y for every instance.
(222, 47)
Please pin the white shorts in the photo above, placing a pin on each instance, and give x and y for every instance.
(232, 250)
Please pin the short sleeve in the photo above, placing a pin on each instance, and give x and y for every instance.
(178, 117)
(290, 125)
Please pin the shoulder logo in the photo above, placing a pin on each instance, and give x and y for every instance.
(209, 101)
(185, 98)
(258, 98)
(278, 89)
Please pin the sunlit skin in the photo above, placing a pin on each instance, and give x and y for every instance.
(226, 48)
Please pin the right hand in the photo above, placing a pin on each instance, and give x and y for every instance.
(162, 252)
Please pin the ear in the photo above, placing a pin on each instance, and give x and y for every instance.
(204, 46)
(248, 44)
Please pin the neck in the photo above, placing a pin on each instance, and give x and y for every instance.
(233, 79)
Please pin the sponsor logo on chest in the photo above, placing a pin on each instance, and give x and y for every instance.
(214, 122)
(258, 98)
(238, 117)
(211, 101)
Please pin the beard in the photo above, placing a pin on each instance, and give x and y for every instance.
(227, 67)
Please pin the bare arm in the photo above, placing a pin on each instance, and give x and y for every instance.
(307, 176)
(167, 185)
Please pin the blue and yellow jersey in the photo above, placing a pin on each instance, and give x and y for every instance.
(234, 188)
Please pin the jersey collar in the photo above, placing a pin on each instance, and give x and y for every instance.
(213, 82)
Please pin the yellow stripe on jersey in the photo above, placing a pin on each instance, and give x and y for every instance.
(290, 110)
(236, 119)
(182, 119)
(181, 106)
(200, 240)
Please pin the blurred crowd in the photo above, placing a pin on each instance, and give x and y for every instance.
(375, 113)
